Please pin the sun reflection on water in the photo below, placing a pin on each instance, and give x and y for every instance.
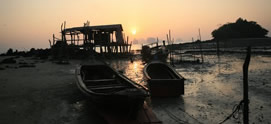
(133, 70)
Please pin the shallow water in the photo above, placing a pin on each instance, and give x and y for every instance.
(48, 92)
(211, 89)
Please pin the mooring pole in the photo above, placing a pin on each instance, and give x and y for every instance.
(217, 48)
(245, 79)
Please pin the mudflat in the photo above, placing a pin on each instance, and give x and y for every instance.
(45, 93)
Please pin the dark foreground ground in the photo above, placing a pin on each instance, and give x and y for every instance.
(47, 93)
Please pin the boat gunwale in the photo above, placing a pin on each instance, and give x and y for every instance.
(82, 86)
(168, 66)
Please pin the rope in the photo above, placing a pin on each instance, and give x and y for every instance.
(235, 113)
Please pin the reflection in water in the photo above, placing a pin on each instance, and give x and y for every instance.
(133, 70)
(135, 66)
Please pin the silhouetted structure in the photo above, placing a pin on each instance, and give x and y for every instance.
(102, 39)
(153, 51)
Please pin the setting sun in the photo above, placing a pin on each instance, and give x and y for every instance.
(134, 31)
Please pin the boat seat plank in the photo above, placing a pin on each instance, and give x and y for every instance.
(100, 80)
(104, 87)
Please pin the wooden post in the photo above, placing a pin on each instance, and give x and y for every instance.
(78, 39)
(54, 41)
(200, 47)
(71, 37)
(120, 48)
(167, 40)
(108, 48)
(169, 36)
(64, 32)
(131, 46)
(124, 43)
(170, 50)
(64, 25)
(245, 90)
(50, 43)
(217, 49)
(101, 49)
(104, 47)
(201, 52)
(199, 35)
(113, 36)
(117, 49)
(128, 51)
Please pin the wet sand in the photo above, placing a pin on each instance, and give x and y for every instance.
(47, 93)
(212, 90)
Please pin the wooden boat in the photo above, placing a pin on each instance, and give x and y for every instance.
(163, 80)
(109, 88)
(154, 53)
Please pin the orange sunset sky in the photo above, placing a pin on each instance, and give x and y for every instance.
(30, 23)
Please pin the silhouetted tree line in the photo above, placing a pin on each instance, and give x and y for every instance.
(240, 29)
(40, 53)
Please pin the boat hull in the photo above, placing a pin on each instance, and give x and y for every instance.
(118, 93)
(163, 80)
(166, 88)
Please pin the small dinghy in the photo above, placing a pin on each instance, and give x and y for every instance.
(163, 80)
(110, 88)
